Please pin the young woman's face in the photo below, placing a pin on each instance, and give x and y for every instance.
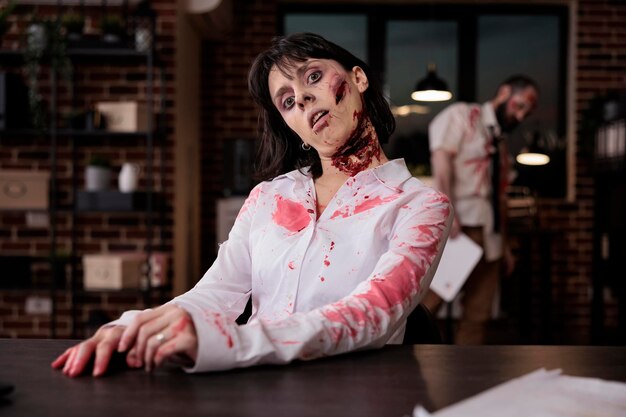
(320, 101)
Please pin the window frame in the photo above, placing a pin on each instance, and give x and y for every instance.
(467, 17)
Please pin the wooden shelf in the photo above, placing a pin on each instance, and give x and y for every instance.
(115, 201)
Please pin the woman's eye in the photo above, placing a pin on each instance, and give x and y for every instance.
(314, 76)
(288, 102)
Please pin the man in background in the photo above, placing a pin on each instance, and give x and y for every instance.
(470, 164)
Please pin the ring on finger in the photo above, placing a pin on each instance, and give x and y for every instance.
(160, 337)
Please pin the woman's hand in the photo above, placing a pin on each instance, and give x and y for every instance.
(102, 344)
(166, 332)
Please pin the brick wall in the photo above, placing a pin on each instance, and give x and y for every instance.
(92, 310)
(95, 79)
(229, 114)
(601, 66)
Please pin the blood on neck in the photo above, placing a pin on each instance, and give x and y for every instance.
(360, 149)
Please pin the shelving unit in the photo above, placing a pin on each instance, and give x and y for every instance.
(151, 135)
(152, 204)
(609, 257)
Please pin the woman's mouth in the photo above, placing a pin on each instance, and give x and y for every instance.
(315, 119)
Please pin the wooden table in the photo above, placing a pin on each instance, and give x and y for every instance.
(387, 382)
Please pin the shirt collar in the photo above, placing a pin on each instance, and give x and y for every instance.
(489, 118)
(391, 174)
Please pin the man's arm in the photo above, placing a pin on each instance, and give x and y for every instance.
(441, 162)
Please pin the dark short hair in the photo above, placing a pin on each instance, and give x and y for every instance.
(519, 82)
(280, 148)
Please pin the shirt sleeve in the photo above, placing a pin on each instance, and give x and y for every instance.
(226, 285)
(447, 128)
(366, 318)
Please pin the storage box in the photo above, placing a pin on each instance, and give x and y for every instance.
(127, 270)
(124, 116)
(26, 190)
(112, 271)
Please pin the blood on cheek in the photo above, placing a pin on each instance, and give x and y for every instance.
(340, 88)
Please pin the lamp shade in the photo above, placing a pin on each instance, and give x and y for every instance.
(532, 158)
(431, 87)
(533, 154)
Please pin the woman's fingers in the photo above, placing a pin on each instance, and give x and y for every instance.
(104, 350)
(154, 343)
(81, 358)
(106, 346)
(178, 338)
(70, 359)
(158, 323)
(62, 359)
(75, 359)
(150, 329)
(180, 350)
(129, 335)
(166, 350)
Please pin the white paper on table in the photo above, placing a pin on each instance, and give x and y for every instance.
(458, 260)
(542, 394)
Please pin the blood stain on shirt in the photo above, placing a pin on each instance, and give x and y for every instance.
(290, 214)
(218, 322)
(250, 201)
(371, 203)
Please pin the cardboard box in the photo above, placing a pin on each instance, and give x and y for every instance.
(127, 270)
(26, 190)
(124, 116)
(112, 271)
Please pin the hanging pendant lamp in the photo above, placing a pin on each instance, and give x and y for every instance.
(431, 87)
(533, 154)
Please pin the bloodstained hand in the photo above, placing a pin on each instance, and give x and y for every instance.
(102, 344)
(156, 335)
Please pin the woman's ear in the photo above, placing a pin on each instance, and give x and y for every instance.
(360, 79)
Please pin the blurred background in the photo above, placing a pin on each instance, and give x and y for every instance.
(127, 142)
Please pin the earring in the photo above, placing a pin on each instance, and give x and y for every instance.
(305, 147)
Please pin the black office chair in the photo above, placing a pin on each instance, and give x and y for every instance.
(421, 328)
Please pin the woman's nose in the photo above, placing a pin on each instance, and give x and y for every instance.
(305, 98)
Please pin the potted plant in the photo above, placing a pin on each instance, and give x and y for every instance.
(113, 29)
(88, 119)
(74, 24)
(44, 41)
(5, 25)
(98, 173)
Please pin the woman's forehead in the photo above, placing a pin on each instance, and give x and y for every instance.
(290, 67)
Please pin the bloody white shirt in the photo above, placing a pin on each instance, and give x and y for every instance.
(463, 130)
(322, 286)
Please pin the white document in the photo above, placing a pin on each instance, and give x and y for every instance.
(542, 394)
(458, 260)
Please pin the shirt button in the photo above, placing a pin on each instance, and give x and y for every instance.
(339, 202)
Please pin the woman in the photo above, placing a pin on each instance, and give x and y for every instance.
(335, 248)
